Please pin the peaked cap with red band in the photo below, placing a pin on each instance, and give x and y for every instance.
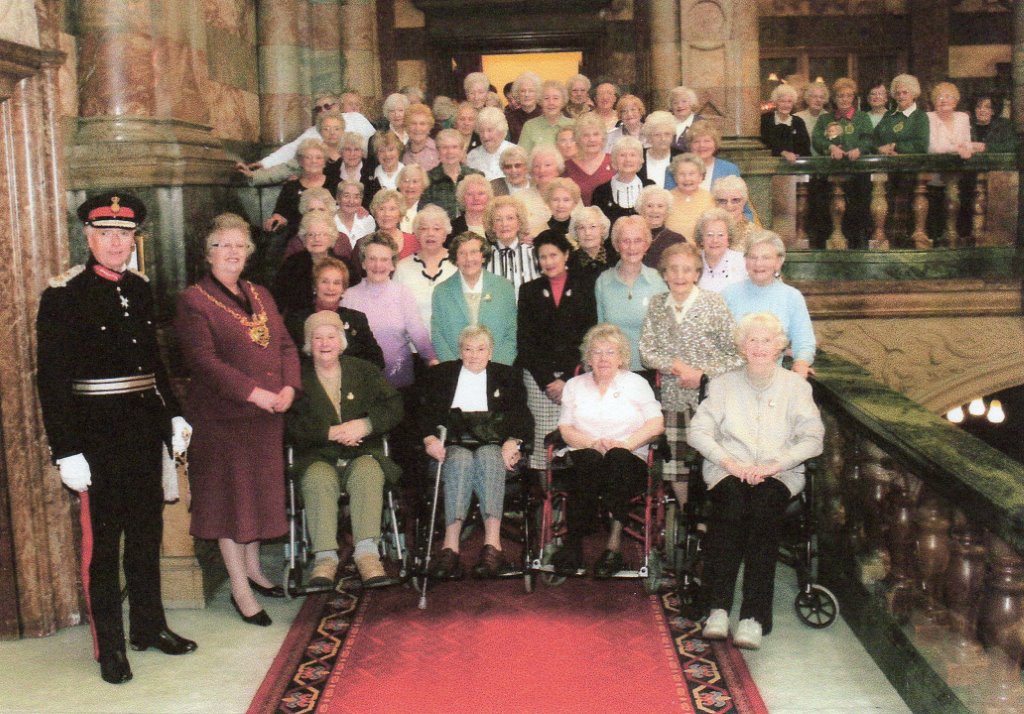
(116, 209)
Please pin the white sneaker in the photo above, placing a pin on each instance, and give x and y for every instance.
(717, 625)
(748, 634)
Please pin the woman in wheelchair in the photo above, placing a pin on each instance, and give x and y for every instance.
(336, 428)
(483, 406)
(609, 416)
(757, 426)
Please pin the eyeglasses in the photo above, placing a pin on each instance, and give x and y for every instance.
(731, 201)
(325, 107)
(604, 353)
(231, 246)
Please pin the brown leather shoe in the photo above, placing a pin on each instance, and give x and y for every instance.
(324, 573)
(446, 566)
(371, 571)
(492, 561)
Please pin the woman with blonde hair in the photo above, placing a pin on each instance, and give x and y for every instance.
(689, 197)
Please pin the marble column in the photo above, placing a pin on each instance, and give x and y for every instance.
(1018, 108)
(284, 82)
(359, 41)
(38, 571)
(720, 55)
(327, 58)
(664, 29)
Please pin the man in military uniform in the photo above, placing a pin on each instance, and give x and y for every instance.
(110, 414)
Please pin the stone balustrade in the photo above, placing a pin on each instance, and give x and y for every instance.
(922, 538)
(903, 191)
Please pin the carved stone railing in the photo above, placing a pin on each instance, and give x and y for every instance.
(922, 538)
(902, 188)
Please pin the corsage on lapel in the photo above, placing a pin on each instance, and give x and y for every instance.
(497, 393)
(350, 396)
(487, 297)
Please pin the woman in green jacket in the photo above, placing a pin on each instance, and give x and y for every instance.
(336, 427)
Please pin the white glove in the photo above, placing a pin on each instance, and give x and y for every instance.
(74, 472)
(182, 434)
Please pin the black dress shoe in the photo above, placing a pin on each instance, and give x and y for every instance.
(272, 591)
(261, 618)
(446, 566)
(492, 562)
(165, 641)
(114, 667)
(608, 564)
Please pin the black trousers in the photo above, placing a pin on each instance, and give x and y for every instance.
(615, 476)
(126, 497)
(744, 528)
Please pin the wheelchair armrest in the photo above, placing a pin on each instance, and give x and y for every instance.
(555, 439)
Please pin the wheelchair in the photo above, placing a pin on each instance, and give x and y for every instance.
(298, 552)
(515, 524)
(815, 605)
(645, 526)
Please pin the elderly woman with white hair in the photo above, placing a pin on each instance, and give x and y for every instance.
(387, 208)
(492, 127)
(689, 198)
(354, 163)
(545, 165)
(757, 427)
(657, 132)
(653, 206)
(514, 165)
(816, 96)
(609, 416)
(783, 133)
(312, 157)
(682, 102)
(526, 91)
(420, 149)
(606, 94)
(543, 129)
(483, 405)
(476, 85)
(465, 124)
(422, 271)
(624, 292)
(387, 149)
(631, 111)
(687, 338)
(336, 427)
(764, 291)
(578, 87)
(446, 176)
(595, 253)
(905, 129)
(394, 110)
(718, 238)
(620, 195)
(591, 166)
(293, 290)
(412, 182)
(731, 194)
(473, 195)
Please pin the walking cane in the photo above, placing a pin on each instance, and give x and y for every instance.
(85, 519)
(442, 433)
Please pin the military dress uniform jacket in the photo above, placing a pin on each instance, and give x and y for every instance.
(91, 328)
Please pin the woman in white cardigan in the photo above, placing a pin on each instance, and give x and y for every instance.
(756, 428)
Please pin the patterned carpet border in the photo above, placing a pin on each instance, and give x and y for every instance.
(711, 676)
(715, 676)
(316, 644)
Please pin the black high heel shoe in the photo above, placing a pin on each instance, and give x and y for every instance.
(272, 591)
(261, 618)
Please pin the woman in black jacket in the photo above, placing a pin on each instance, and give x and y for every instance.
(555, 312)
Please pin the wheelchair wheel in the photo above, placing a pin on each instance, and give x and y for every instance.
(292, 579)
(671, 532)
(816, 606)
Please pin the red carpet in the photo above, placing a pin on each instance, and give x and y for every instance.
(584, 646)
